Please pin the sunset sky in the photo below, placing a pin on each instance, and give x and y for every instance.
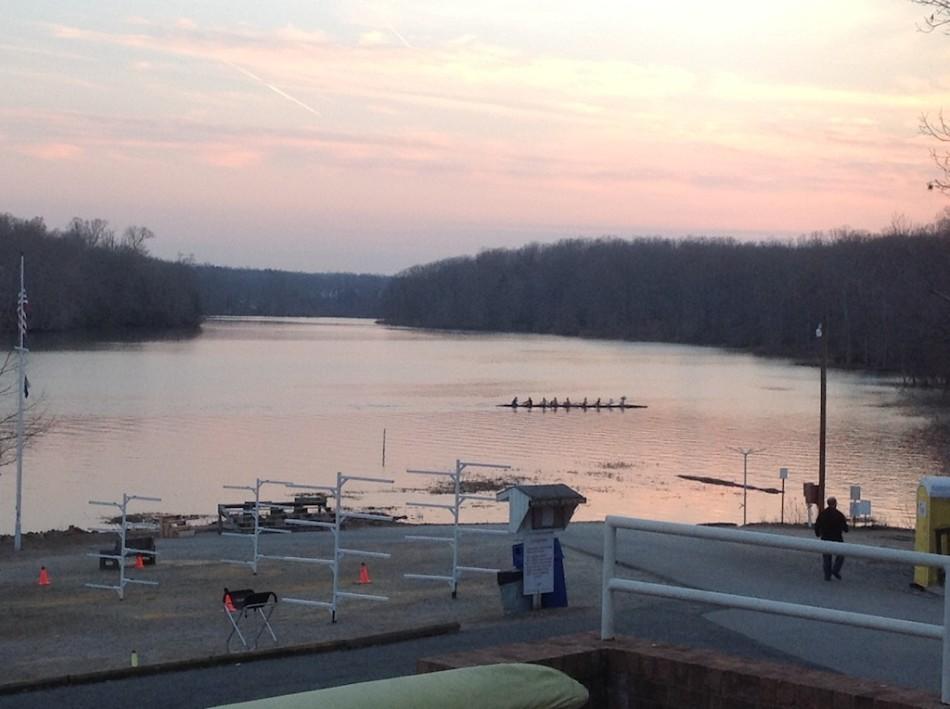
(370, 136)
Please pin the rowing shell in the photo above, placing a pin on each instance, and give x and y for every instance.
(571, 406)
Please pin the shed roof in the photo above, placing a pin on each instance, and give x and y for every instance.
(545, 494)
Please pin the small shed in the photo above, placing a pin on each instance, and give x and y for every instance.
(540, 507)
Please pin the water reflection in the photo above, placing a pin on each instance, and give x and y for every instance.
(301, 399)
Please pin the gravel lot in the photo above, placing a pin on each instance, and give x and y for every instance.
(67, 628)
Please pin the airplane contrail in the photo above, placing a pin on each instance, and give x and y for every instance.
(277, 90)
(401, 38)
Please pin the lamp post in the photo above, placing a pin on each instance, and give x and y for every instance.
(745, 453)
(823, 336)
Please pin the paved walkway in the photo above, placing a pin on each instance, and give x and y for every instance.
(872, 587)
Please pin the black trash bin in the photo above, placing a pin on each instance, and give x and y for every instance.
(511, 587)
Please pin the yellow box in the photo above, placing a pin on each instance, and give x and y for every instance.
(933, 524)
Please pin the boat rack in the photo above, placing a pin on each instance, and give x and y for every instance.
(340, 515)
(123, 550)
(457, 530)
(336, 527)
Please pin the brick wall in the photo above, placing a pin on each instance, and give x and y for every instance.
(629, 673)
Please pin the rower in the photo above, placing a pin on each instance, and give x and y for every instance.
(529, 403)
(567, 403)
(584, 403)
(597, 403)
(544, 402)
(554, 402)
(623, 401)
(514, 403)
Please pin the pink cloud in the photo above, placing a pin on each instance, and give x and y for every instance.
(53, 151)
(229, 157)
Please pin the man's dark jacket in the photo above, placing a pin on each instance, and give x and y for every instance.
(831, 524)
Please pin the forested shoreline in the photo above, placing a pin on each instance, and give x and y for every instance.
(85, 278)
(245, 291)
(883, 299)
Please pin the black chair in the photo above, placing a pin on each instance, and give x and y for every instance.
(252, 610)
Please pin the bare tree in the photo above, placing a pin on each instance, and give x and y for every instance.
(37, 422)
(134, 238)
(939, 17)
(92, 232)
(937, 128)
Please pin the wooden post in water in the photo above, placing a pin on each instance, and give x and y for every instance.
(384, 447)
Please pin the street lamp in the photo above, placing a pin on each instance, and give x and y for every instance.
(745, 453)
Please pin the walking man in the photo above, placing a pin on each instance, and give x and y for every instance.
(829, 526)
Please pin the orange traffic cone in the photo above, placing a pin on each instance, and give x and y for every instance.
(364, 573)
(139, 562)
(228, 603)
(44, 577)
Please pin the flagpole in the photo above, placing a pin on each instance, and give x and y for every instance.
(21, 389)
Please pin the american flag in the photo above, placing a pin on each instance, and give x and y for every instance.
(22, 304)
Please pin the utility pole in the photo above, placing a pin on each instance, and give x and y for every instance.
(822, 335)
(745, 453)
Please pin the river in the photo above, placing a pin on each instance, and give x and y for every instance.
(301, 399)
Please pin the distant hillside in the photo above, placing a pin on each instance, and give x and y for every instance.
(245, 291)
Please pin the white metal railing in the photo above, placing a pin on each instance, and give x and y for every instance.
(612, 583)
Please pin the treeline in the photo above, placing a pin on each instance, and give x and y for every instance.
(884, 299)
(242, 291)
(85, 277)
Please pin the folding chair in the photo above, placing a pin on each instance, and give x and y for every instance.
(253, 611)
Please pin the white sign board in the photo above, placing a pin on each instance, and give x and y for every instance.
(783, 473)
(538, 563)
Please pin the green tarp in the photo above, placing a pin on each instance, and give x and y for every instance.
(508, 686)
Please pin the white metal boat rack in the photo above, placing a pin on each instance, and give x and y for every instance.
(255, 536)
(336, 527)
(122, 549)
(456, 478)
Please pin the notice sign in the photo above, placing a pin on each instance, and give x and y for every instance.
(538, 563)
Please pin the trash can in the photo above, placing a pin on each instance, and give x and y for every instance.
(558, 597)
(511, 587)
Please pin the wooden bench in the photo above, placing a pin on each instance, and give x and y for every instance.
(133, 546)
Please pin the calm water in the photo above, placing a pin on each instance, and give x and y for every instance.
(300, 399)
